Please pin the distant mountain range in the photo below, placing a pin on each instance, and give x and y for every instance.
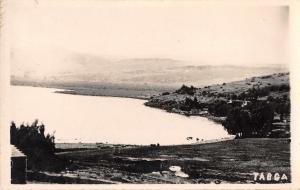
(65, 66)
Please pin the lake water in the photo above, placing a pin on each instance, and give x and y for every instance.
(76, 118)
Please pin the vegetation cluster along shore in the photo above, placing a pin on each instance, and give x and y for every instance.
(255, 107)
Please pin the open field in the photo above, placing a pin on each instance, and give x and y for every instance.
(232, 161)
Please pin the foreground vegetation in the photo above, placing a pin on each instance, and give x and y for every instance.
(234, 161)
(255, 107)
(37, 146)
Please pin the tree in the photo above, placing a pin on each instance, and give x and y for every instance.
(231, 123)
(238, 122)
(220, 108)
(186, 90)
(262, 117)
(253, 121)
(39, 148)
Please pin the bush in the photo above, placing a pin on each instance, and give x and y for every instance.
(165, 93)
(38, 147)
(220, 108)
(186, 90)
(190, 104)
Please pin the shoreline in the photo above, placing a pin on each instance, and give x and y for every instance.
(74, 92)
(215, 119)
(60, 90)
(96, 145)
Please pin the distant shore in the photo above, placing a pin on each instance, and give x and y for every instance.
(95, 89)
(74, 92)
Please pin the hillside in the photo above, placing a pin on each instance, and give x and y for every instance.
(257, 106)
(65, 67)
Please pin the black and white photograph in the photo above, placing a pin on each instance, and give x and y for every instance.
(162, 92)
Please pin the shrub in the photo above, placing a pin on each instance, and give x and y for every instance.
(186, 90)
(165, 93)
(38, 147)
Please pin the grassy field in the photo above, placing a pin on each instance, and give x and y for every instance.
(232, 161)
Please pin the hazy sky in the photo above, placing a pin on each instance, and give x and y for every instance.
(196, 32)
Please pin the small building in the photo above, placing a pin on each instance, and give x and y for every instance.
(18, 166)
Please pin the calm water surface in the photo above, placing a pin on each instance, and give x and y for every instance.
(76, 118)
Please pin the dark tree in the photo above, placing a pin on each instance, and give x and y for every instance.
(39, 148)
(254, 120)
(186, 90)
(238, 123)
(262, 117)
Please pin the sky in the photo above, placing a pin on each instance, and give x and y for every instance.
(201, 33)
